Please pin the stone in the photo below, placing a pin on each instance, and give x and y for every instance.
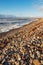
(42, 62)
(36, 62)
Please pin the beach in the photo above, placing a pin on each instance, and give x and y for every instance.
(23, 46)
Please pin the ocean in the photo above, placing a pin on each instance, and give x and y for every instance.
(8, 25)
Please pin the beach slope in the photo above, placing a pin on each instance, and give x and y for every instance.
(23, 46)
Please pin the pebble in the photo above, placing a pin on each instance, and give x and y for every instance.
(16, 50)
(38, 53)
(36, 62)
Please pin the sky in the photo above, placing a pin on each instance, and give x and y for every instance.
(26, 8)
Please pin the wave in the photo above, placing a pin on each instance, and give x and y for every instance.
(6, 26)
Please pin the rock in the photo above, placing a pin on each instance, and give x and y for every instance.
(42, 45)
(5, 63)
(36, 62)
(38, 53)
(31, 55)
(42, 62)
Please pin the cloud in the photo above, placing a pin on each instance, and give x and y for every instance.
(40, 8)
(38, 5)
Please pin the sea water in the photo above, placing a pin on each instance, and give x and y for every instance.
(6, 25)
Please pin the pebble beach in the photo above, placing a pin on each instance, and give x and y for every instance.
(23, 46)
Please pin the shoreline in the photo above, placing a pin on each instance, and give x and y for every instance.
(16, 29)
(24, 44)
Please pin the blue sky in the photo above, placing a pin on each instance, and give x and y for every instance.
(28, 8)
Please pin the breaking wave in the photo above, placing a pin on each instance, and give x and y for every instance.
(6, 26)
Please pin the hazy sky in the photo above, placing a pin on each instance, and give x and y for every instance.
(33, 8)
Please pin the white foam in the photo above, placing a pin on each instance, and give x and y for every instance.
(7, 27)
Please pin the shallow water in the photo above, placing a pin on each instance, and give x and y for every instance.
(6, 26)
